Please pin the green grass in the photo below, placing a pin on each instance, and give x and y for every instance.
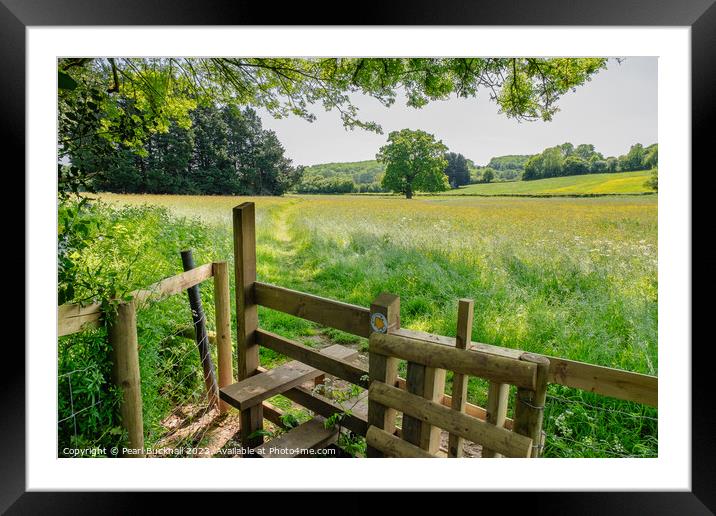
(570, 277)
(590, 184)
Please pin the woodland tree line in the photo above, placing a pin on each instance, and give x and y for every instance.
(225, 151)
(568, 160)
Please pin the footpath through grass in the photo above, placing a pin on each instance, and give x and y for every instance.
(575, 278)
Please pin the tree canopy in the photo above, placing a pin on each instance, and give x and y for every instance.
(126, 100)
(414, 161)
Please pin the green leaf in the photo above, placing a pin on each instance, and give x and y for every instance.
(65, 82)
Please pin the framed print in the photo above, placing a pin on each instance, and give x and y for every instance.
(425, 232)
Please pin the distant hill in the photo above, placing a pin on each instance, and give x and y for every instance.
(509, 162)
(361, 172)
(589, 184)
(504, 168)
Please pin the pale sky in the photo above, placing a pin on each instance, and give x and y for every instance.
(616, 109)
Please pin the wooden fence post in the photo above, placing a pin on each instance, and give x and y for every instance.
(529, 404)
(125, 372)
(247, 319)
(222, 308)
(383, 368)
(201, 334)
(465, 310)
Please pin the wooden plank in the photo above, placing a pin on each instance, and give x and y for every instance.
(508, 443)
(77, 310)
(451, 341)
(472, 363)
(383, 368)
(606, 381)
(617, 383)
(253, 390)
(390, 446)
(125, 373)
(296, 442)
(335, 364)
(335, 314)
(174, 285)
(434, 388)
(465, 312)
(222, 311)
(70, 325)
(497, 401)
(414, 384)
(429, 383)
(247, 319)
(529, 404)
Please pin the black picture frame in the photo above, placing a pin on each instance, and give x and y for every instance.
(700, 15)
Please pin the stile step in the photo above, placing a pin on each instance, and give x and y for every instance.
(255, 389)
(310, 435)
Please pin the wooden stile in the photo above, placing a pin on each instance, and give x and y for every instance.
(247, 320)
(463, 339)
(222, 308)
(383, 368)
(125, 372)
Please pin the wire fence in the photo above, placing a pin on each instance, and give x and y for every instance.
(184, 430)
(598, 426)
(85, 411)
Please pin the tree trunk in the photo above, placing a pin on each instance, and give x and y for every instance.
(409, 192)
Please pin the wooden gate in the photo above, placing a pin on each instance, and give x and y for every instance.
(424, 416)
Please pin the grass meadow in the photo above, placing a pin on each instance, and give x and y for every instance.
(570, 277)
